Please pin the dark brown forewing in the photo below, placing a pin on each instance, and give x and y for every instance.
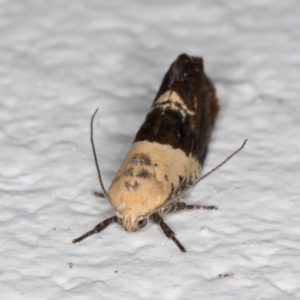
(188, 132)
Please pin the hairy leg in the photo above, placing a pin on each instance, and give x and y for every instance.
(97, 229)
(167, 230)
(98, 194)
(178, 206)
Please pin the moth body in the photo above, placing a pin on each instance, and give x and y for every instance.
(168, 151)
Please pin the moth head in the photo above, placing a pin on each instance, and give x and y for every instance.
(135, 190)
(135, 199)
(130, 220)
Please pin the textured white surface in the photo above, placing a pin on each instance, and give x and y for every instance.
(59, 61)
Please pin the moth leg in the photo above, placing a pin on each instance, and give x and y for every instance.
(98, 194)
(177, 206)
(97, 229)
(167, 230)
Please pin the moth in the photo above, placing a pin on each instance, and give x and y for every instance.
(168, 152)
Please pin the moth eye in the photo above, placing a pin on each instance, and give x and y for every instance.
(142, 223)
(120, 221)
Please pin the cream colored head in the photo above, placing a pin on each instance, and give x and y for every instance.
(135, 198)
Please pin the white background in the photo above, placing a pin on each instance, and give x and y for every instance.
(59, 61)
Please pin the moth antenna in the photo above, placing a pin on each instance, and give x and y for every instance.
(96, 160)
(211, 171)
